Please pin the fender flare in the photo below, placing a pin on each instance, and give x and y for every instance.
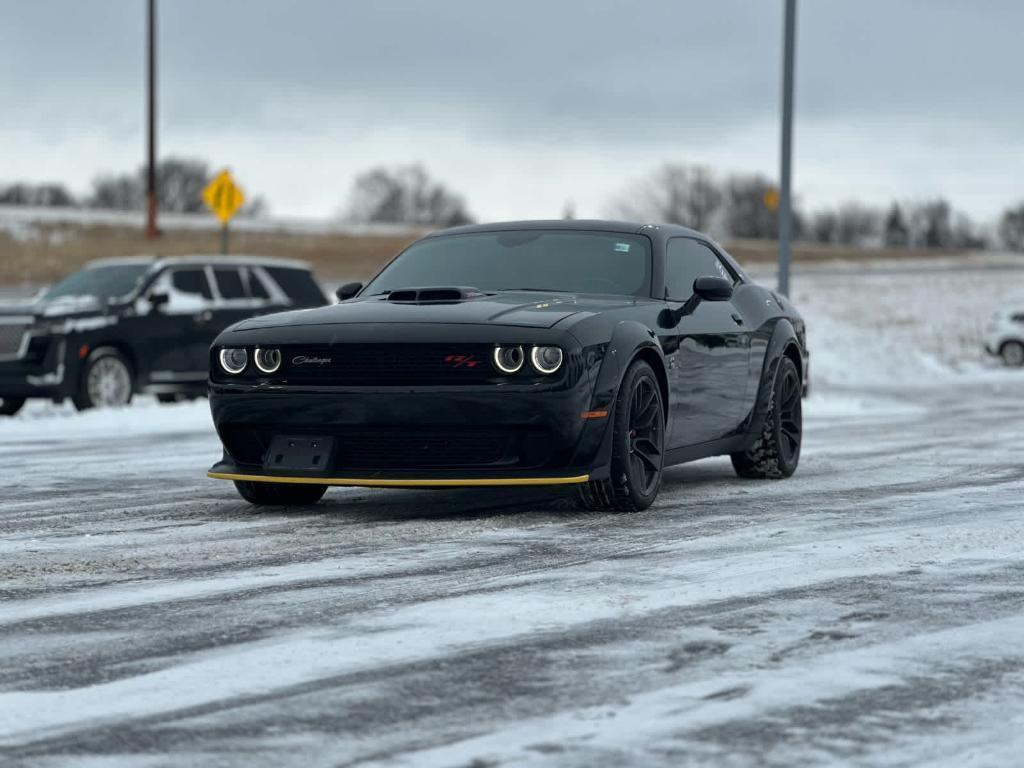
(629, 339)
(784, 341)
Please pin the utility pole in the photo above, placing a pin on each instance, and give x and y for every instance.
(151, 228)
(785, 196)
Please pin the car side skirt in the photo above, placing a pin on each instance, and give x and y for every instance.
(403, 482)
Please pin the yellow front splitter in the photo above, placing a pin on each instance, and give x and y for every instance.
(422, 483)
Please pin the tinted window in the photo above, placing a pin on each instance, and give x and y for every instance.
(107, 282)
(191, 281)
(229, 283)
(298, 285)
(686, 261)
(558, 260)
(256, 288)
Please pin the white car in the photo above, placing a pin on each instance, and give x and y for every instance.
(1004, 336)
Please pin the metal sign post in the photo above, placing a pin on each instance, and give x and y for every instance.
(225, 198)
(151, 203)
(785, 196)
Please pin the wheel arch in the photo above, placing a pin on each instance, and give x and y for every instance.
(784, 343)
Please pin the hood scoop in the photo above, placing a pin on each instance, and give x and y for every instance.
(440, 295)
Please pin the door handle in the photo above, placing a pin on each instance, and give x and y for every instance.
(203, 317)
(738, 319)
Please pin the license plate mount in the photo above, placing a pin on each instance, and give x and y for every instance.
(299, 453)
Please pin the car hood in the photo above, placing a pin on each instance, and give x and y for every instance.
(512, 308)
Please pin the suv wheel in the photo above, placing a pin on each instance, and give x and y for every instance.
(638, 449)
(107, 381)
(1012, 353)
(10, 405)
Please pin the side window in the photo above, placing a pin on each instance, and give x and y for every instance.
(229, 283)
(192, 281)
(685, 261)
(298, 285)
(256, 287)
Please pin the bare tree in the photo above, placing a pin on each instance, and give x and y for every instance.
(931, 224)
(405, 195)
(180, 183)
(896, 233)
(746, 211)
(823, 226)
(675, 194)
(51, 195)
(856, 224)
(1011, 227)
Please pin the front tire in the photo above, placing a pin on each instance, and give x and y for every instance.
(280, 494)
(11, 405)
(776, 453)
(107, 381)
(638, 446)
(1012, 353)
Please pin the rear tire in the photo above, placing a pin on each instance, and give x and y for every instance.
(280, 494)
(776, 453)
(638, 446)
(1012, 353)
(107, 381)
(11, 405)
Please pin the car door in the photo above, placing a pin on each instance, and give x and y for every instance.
(707, 352)
(180, 325)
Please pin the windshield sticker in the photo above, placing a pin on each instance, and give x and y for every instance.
(622, 247)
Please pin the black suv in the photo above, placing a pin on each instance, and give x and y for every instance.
(126, 325)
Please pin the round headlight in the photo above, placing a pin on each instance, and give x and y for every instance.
(233, 360)
(508, 359)
(268, 360)
(546, 360)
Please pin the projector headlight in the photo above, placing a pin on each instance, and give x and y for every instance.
(508, 359)
(268, 360)
(233, 360)
(546, 360)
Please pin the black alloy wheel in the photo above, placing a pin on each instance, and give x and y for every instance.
(776, 453)
(638, 446)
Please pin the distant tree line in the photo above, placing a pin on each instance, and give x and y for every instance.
(736, 205)
(180, 183)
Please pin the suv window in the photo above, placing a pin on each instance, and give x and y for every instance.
(191, 281)
(256, 288)
(686, 260)
(298, 285)
(229, 283)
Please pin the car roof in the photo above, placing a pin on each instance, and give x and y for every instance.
(158, 262)
(582, 225)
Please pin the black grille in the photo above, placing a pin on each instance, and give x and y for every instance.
(404, 448)
(11, 335)
(387, 364)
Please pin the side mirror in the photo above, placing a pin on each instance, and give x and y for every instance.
(157, 300)
(712, 288)
(705, 289)
(348, 290)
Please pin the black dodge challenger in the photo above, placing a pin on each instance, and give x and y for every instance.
(583, 353)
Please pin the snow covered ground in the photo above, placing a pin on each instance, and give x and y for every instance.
(867, 611)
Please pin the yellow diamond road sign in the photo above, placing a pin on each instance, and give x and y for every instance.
(223, 196)
(771, 199)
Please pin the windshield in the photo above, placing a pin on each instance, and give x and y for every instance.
(105, 283)
(549, 260)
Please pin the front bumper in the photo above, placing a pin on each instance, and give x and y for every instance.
(41, 372)
(425, 437)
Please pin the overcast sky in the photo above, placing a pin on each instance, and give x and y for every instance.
(521, 106)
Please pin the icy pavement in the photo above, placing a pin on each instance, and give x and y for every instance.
(869, 610)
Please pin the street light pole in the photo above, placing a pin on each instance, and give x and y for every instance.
(151, 228)
(785, 196)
